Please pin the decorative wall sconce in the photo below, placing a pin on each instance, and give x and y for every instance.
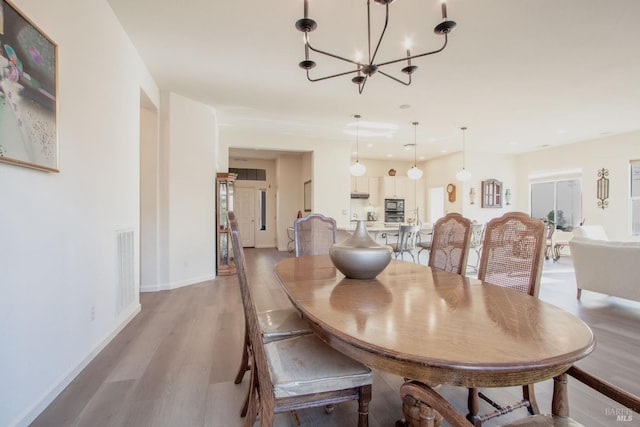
(602, 185)
(472, 195)
(507, 196)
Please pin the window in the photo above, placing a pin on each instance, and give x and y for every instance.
(249, 174)
(635, 197)
(558, 201)
(262, 207)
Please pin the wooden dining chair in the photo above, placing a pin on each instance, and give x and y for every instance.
(406, 242)
(430, 406)
(477, 234)
(450, 243)
(297, 372)
(512, 256)
(275, 324)
(423, 243)
(314, 234)
(548, 252)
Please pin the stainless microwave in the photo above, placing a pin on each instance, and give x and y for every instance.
(394, 205)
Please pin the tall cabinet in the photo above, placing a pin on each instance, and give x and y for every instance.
(224, 196)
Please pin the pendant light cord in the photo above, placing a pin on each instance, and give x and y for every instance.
(357, 116)
(415, 142)
(464, 148)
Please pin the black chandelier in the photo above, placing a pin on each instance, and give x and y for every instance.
(363, 71)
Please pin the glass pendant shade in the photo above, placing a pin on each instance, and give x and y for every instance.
(358, 169)
(414, 173)
(463, 175)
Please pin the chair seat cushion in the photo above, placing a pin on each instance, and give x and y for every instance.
(305, 365)
(544, 420)
(278, 324)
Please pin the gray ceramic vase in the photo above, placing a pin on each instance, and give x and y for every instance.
(360, 257)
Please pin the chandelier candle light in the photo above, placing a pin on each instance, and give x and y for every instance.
(361, 70)
(463, 175)
(357, 169)
(414, 172)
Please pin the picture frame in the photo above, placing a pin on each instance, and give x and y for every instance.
(28, 92)
(307, 196)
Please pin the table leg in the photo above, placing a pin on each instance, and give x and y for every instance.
(423, 406)
(560, 401)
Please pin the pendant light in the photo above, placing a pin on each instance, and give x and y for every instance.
(357, 169)
(463, 175)
(414, 172)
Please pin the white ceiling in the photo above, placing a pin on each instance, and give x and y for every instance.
(520, 74)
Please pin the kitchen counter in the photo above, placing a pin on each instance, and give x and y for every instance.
(375, 229)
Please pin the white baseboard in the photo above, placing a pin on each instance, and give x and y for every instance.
(175, 285)
(32, 413)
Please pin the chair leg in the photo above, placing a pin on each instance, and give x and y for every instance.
(363, 405)
(245, 404)
(473, 407)
(253, 406)
(244, 364)
(529, 393)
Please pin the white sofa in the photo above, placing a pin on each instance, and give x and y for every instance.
(560, 239)
(608, 267)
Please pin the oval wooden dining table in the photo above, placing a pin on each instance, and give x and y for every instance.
(436, 327)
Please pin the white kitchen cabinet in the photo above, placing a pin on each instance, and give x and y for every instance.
(374, 192)
(394, 187)
(359, 184)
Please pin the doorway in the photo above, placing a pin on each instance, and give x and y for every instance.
(436, 204)
(244, 206)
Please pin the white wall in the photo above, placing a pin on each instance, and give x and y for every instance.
(187, 189)
(289, 195)
(58, 246)
(613, 153)
(149, 198)
(441, 171)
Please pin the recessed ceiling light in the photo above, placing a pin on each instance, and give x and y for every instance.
(405, 106)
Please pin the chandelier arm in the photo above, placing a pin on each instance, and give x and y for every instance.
(395, 78)
(322, 52)
(329, 77)
(361, 86)
(384, 29)
(420, 55)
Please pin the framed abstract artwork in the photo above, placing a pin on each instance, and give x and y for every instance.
(28, 93)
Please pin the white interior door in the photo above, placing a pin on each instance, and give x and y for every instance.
(436, 204)
(245, 214)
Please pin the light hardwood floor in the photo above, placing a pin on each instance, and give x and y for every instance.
(174, 364)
